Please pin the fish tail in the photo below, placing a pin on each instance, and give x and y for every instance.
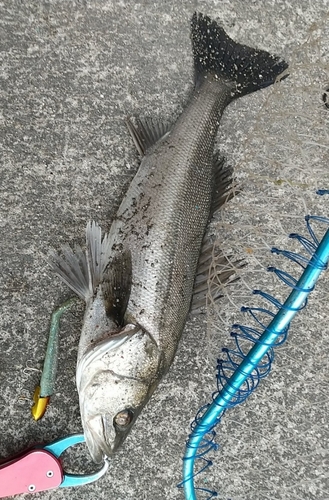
(217, 54)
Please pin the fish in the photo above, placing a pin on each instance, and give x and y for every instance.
(140, 280)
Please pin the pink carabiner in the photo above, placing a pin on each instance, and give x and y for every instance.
(33, 471)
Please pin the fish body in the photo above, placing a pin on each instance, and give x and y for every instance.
(139, 279)
(163, 217)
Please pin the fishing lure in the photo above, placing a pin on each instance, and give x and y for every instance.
(46, 387)
(238, 372)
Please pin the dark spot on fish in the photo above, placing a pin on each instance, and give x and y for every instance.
(117, 247)
(147, 204)
(142, 311)
(325, 97)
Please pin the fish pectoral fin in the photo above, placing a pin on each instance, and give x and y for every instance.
(99, 249)
(83, 271)
(225, 187)
(116, 286)
(215, 270)
(72, 267)
(147, 132)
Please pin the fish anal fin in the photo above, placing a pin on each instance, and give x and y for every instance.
(225, 186)
(215, 270)
(116, 286)
(145, 132)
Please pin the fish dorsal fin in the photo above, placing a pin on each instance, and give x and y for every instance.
(116, 286)
(83, 271)
(214, 271)
(147, 132)
(224, 184)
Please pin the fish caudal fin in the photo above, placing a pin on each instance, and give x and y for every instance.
(83, 271)
(216, 53)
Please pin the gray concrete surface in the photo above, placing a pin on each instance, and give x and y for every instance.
(70, 73)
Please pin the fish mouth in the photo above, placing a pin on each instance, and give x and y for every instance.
(100, 438)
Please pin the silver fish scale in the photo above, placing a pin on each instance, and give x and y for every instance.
(163, 217)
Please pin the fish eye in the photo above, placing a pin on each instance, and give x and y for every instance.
(123, 418)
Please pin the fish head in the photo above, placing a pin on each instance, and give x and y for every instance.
(115, 380)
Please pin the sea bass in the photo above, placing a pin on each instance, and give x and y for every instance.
(138, 281)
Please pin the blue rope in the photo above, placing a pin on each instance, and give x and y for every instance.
(238, 374)
(321, 192)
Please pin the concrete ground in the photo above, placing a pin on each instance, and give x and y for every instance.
(70, 73)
